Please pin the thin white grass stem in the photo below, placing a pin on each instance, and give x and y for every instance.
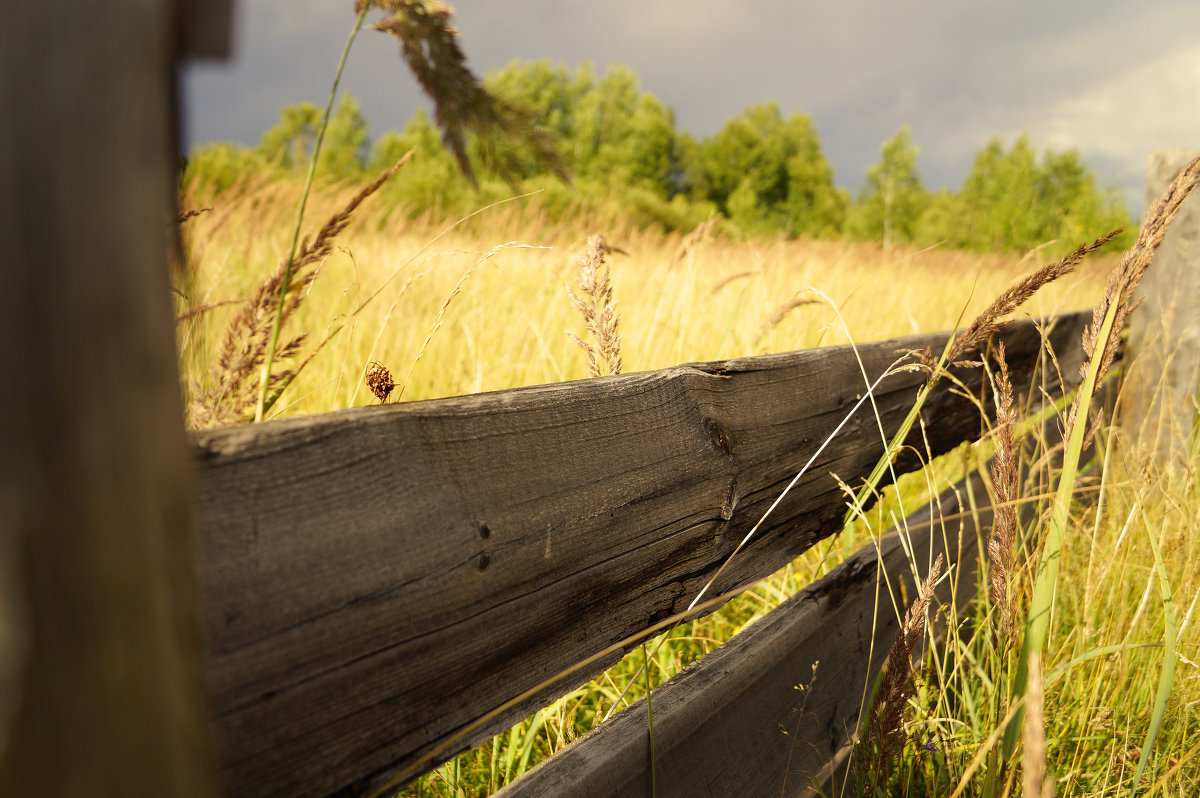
(1187, 618)
(1101, 507)
(441, 314)
(362, 305)
(863, 370)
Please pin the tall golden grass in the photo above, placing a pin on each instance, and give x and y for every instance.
(486, 304)
(683, 298)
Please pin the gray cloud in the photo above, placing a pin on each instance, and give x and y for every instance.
(1106, 77)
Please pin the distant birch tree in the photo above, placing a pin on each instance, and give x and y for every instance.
(894, 197)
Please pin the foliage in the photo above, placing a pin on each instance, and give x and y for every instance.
(893, 199)
(767, 174)
(288, 145)
(1014, 201)
(433, 182)
(221, 165)
(763, 171)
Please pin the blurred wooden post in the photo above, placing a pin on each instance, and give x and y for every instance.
(1163, 367)
(100, 651)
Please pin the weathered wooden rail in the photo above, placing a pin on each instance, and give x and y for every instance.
(378, 580)
(772, 711)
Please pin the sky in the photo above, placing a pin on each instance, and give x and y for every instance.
(1111, 78)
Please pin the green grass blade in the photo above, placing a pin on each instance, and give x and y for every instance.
(510, 751)
(649, 715)
(273, 343)
(1038, 624)
(1167, 677)
(535, 726)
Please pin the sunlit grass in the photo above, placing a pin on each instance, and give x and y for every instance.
(721, 297)
(716, 298)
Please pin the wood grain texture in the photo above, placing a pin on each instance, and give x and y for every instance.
(1162, 373)
(378, 579)
(768, 712)
(101, 690)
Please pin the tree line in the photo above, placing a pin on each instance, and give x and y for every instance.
(763, 171)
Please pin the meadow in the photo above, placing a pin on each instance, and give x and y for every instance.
(481, 304)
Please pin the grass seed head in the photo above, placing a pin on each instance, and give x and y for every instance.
(232, 395)
(989, 321)
(429, 45)
(885, 735)
(595, 303)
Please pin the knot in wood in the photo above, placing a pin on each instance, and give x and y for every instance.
(719, 436)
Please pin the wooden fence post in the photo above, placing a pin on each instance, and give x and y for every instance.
(100, 652)
(1163, 371)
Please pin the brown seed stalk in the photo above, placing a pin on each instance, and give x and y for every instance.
(233, 396)
(595, 303)
(885, 736)
(989, 321)
(1005, 481)
(429, 45)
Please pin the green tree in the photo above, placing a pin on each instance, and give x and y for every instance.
(1077, 207)
(940, 221)
(764, 171)
(220, 165)
(1012, 200)
(814, 206)
(894, 198)
(432, 181)
(622, 136)
(346, 147)
(610, 132)
(540, 86)
(546, 91)
(1000, 199)
(289, 144)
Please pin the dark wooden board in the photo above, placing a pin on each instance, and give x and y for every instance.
(377, 579)
(101, 686)
(754, 717)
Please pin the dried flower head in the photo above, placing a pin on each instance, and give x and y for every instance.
(379, 380)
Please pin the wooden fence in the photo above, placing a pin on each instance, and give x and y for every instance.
(389, 586)
(386, 587)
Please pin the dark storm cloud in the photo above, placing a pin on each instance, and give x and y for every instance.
(1112, 79)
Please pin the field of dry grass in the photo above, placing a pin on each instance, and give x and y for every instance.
(485, 306)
